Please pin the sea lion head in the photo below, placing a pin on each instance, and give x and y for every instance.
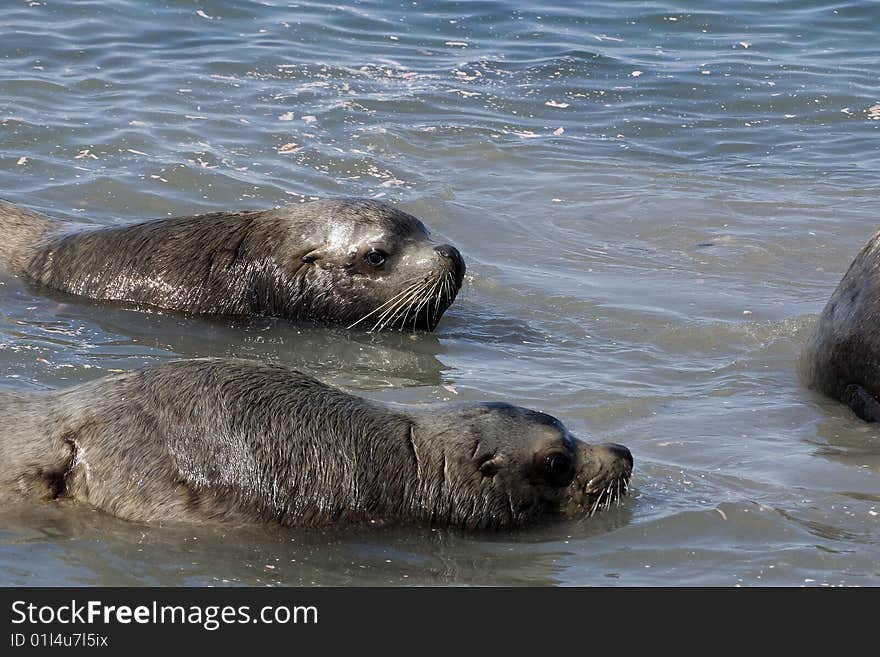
(489, 464)
(369, 264)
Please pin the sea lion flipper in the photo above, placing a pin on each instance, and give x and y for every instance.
(862, 402)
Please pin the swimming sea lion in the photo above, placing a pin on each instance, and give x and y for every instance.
(842, 356)
(351, 261)
(234, 440)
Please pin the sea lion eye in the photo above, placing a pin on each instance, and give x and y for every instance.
(489, 468)
(375, 257)
(558, 470)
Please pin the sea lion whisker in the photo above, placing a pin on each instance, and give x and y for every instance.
(440, 296)
(387, 317)
(450, 291)
(390, 313)
(426, 299)
(412, 306)
(450, 288)
(381, 319)
(391, 300)
(412, 302)
(433, 296)
(437, 301)
(390, 318)
(405, 305)
(434, 293)
(382, 322)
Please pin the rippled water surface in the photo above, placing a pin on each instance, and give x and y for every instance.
(654, 199)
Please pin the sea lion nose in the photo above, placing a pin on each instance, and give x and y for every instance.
(448, 251)
(621, 453)
(452, 254)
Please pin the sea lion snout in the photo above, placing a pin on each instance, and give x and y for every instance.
(602, 478)
(452, 254)
(617, 453)
(452, 262)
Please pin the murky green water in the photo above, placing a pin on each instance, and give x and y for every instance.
(654, 201)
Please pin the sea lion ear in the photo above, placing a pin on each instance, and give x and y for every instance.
(314, 254)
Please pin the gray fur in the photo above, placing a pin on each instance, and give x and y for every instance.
(300, 262)
(842, 356)
(20, 230)
(233, 440)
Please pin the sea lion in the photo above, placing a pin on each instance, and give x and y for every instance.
(842, 356)
(351, 261)
(234, 440)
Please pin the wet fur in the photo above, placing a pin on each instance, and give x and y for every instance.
(223, 263)
(842, 356)
(231, 440)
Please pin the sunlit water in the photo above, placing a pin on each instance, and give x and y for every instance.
(654, 200)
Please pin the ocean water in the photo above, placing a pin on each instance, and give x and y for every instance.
(654, 200)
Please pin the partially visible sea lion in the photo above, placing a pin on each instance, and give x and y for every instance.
(351, 261)
(234, 440)
(842, 356)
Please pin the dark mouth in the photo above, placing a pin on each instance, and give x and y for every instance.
(418, 307)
